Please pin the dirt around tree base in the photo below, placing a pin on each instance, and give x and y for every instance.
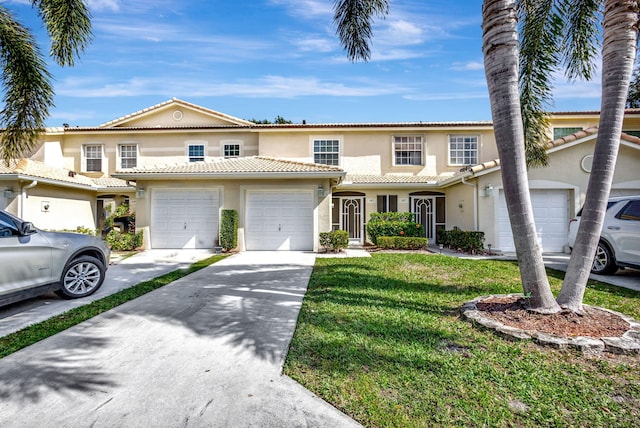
(597, 330)
(512, 311)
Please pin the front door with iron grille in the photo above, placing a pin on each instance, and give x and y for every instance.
(429, 212)
(352, 218)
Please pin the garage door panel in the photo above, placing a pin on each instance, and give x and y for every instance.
(279, 220)
(184, 218)
(551, 213)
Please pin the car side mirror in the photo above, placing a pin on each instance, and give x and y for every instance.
(27, 228)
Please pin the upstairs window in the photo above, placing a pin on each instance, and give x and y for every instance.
(231, 150)
(128, 156)
(326, 152)
(463, 150)
(563, 132)
(93, 158)
(196, 153)
(387, 203)
(407, 150)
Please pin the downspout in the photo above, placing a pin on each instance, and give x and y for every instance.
(23, 195)
(475, 202)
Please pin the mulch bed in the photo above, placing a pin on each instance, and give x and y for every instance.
(512, 311)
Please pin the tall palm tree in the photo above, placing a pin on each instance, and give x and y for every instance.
(28, 93)
(518, 77)
(620, 39)
(500, 46)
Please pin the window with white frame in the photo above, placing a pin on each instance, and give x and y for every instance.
(463, 149)
(563, 132)
(387, 203)
(326, 152)
(93, 158)
(196, 152)
(407, 150)
(128, 156)
(231, 150)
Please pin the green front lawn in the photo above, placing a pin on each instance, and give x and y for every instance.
(382, 340)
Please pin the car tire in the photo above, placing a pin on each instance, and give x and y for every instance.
(81, 277)
(604, 262)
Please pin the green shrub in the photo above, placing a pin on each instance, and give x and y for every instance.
(229, 229)
(464, 240)
(118, 241)
(334, 241)
(402, 243)
(392, 224)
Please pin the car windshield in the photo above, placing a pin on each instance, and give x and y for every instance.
(609, 205)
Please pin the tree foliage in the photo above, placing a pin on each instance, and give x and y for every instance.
(27, 88)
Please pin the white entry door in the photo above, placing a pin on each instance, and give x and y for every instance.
(184, 218)
(551, 213)
(352, 218)
(279, 220)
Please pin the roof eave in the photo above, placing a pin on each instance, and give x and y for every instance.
(26, 177)
(227, 175)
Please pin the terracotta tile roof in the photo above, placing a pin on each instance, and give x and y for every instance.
(110, 182)
(254, 164)
(39, 170)
(572, 137)
(174, 101)
(557, 143)
(394, 179)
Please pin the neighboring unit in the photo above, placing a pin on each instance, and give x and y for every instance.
(178, 165)
(619, 244)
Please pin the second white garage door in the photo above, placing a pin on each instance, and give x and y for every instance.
(184, 218)
(551, 213)
(279, 220)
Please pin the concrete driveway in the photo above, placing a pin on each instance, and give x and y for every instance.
(204, 351)
(130, 271)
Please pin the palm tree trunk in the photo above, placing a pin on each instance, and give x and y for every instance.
(500, 48)
(618, 54)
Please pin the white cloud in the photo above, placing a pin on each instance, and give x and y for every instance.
(315, 44)
(266, 86)
(467, 66)
(112, 5)
(399, 32)
(306, 9)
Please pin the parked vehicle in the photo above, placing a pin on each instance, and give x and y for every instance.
(33, 261)
(619, 244)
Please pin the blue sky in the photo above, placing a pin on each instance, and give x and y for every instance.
(263, 58)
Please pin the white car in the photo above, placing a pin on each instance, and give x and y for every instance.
(619, 244)
(33, 261)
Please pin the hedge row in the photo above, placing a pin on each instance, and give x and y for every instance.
(392, 224)
(402, 243)
(464, 240)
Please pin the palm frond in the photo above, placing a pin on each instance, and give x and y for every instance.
(540, 38)
(27, 89)
(580, 44)
(68, 23)
(354, 21)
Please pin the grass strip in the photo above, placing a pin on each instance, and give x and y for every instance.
(37, 332)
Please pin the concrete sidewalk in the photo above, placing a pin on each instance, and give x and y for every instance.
(206, 350)
(126, 273)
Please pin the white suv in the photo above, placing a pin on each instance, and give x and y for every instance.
(619, 244)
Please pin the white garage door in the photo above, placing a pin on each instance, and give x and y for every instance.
(551, 213)
(184, 218)
(279, 220)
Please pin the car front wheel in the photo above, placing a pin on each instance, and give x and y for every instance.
(81, 277)
(604, 262)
